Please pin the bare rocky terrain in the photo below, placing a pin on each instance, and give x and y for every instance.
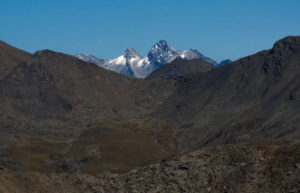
(258, 168)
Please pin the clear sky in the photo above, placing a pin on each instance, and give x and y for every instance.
(219, 29)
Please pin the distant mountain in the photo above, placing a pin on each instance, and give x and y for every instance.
(91, 59)
(180, 67)
(195, 54)
(132, 64)
(225, 62)
(129, 63)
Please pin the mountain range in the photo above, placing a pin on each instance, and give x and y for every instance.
(132, 64)
(67, 125)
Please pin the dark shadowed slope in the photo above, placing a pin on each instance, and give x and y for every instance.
(10, 57)
(55, 86)
(254, 98)
(58, 112)
(180, 67)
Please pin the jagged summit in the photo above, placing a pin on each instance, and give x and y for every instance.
(163, 45)
(130, 52)
(162, 53)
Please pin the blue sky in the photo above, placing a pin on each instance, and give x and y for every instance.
(219, 29)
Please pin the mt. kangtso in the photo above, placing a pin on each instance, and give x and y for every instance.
(132, 64)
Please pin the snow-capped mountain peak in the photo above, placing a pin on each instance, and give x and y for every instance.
(162, 53)
(190, 54)
(193, 53)
(132, 64)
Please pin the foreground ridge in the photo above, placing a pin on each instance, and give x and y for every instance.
(258, 168)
